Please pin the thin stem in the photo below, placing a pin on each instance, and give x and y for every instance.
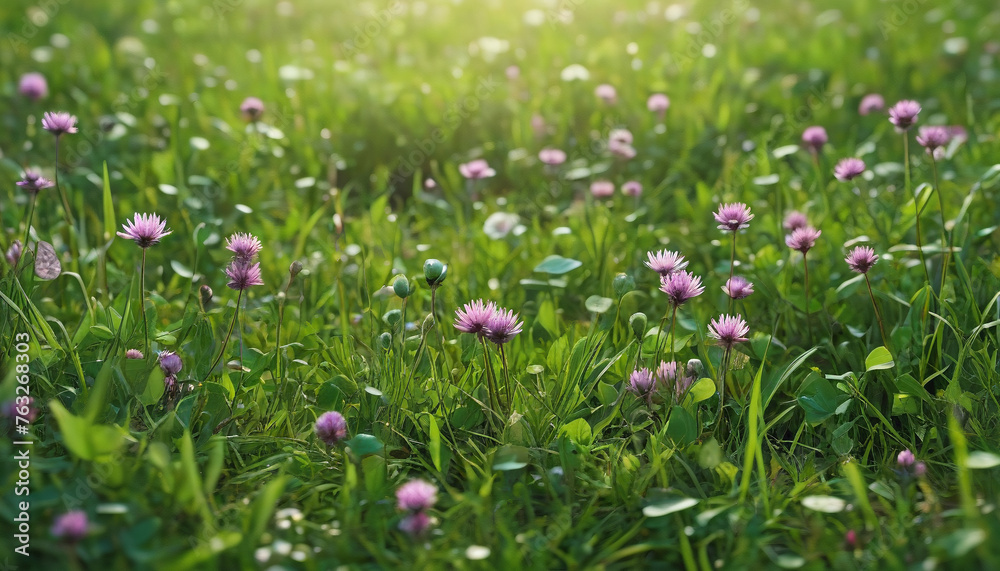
(916, 202)
(232, 324)
(27, 231)
(506, 375)
(878, 315)
(62, 194)
(732, 264)
(490, 381)
(805, 264)
(945, 235)
(673, 322)
(142, 300)
(722, 385)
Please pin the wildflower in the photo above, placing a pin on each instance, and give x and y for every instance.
(680, 287)
(640, 383)
(429, 184)
(11, 410)
(669, 375)
(476, 169)
(733, 217)
(13, 253)
(658, 103)
(848, 168)
(606, 93)
(931, 138)
(331, 428)
(242, 275)
(802, 239)
(474, 317)
(134, 354)
(502, 326)
(602, 188)
(244, 246)
(814, 138)
(146, 230)
(861, 259)
(632, 188)
(871, 103)
(905, 459)
(252, 109)
(513, 72)
(170, 363)
(729, 330)
(416, 496)
(415, 524)
(737, 287)
(435, 272)
(904, 114)
(620, 137)
(499, 224)
(33, 182)
(71, 526)
(552, 157)
(794, 220)
(59, 123)
(33, 86)
(666, 262)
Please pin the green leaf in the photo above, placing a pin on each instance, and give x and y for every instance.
(879, 359)
(979, 460)
(959, 543)
(434, 442)
(668, 505)
(598, 304)
(557, 265)
(578, 431)
(907, 385)
(820, 400)
(364, 444)
(703, 389)
(682, 428)
(84, 440)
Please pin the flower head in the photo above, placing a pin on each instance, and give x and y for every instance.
(606, 93)
(861, 259)
(33, 86)
(814, 138)
(33, 182)
(11, 410)
(252, 109)
(666, 262)
(802, 239)
(58, 122)
(729, 330)
(331, 428)
(658, 103)
(733, 217)
(245, 246)
(513, 72)
(795, 219)
(170, 363)
(871, 103)
(904, 114)
(632, 188)
(848, 168)
(680, 287)
(905, 459)
(71, 526)
(933, 137)
(415, 524)
(474, 317)
(499, 224)
(13, 253)
(146, 230)
(416, 496)
(134, 354)
(670, 375)
(502, 326)
(640, 383)
(242, 275)
(620, 136)
(552, 157)
(737, 287)
(602, 188)
(476, 169)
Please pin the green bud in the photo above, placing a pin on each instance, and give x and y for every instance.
(638, 324)
(295, 268)
(623, 284)
(392, 317)
(401, 286)
(434, 272)
(427, 325)
(385, 340)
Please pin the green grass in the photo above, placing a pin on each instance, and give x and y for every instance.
(367, 100)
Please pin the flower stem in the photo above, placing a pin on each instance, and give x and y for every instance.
(673, 322)
(945, 235)
(225, 342)
(805, 265)
(878, 315)
(916, 202)
(732, 265)
(142, 300)
(27, 232)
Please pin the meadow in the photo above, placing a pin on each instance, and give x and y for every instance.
(486, 284)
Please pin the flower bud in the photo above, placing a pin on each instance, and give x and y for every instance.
(392, 317)
(295, 268)
(623, 284)
(401, 286)
(435, 272)
(638, 324)
(385, 340)
(694, 368)
(206, 295)
(427, 325)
